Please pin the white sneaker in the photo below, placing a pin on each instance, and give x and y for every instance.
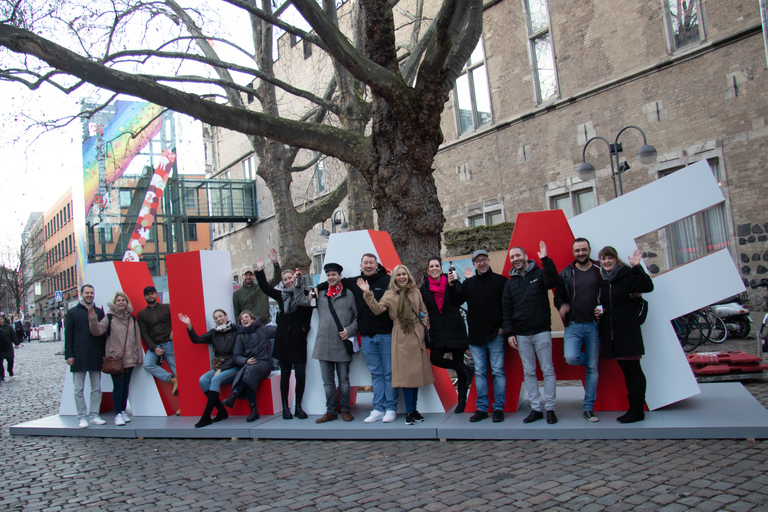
(83, 423)
(389, 417)
(125, 416)
(119, 421)
(96, 420)
(374, 416)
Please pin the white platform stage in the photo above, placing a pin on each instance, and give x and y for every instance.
(724, 410)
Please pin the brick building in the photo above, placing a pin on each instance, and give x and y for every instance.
(547, 76)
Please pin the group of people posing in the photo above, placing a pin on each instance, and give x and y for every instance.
(391, 313)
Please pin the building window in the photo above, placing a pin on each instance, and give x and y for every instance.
(125, 198)
(698, 235)
(574, 202)
(541, 49)
(683, 22)
(487, 218)
(320, 176)
(472, 96)
(317, 263)
(105, 235)
(190, 232)
(249, 168)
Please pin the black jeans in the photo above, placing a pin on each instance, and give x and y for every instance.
(10, 368)
(120, 384)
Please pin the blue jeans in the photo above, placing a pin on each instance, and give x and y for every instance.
(410, 397)
(150, 362)
(481, 354)
(120, 387)
(210, 381)
(538, 346)
(588, 336)
(377, 350)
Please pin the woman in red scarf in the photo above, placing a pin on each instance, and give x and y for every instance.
(447, 328)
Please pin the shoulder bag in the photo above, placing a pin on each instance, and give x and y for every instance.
(113, 365)
(349, 346)
(427, 336)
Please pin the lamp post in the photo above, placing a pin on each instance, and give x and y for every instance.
(337, 219)
(646, 154)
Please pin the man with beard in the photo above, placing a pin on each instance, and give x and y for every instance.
(155, 326)
(575, 299)
(249, 296)
(527, 324)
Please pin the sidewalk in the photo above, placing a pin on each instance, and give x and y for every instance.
(178, 475)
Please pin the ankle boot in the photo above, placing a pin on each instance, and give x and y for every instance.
(230, 400)
(286, 410)
(636, 410)
(299, 413)
(222, 412)
(254, 413)
(205, 419)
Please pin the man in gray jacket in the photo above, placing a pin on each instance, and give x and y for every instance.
(337, 316)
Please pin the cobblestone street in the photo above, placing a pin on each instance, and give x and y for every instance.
(56, 473)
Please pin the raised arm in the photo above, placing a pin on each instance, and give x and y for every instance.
(97, 327)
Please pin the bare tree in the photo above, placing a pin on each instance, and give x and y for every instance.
(18, 274)
(403, 97)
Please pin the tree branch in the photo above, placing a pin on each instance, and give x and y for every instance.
(324, 208)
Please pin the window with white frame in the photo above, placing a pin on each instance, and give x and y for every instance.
(472, 95)
(574, 202)
(249, 168)
(125, 198)
(700, 234)
(541, 49)
(684, 23)
(320, 185)
(317, 262)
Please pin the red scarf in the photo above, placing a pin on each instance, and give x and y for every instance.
(333, 290)
(438, 288)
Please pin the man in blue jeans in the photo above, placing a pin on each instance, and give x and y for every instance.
(155, 326)
(575, 299)
(482, 292)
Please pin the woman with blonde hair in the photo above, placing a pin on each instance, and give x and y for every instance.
(123, 339)
(410, 359)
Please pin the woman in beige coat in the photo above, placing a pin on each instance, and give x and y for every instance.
(410, 359)
(124, 338)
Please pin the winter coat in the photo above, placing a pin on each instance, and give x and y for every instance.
(155, 324)
(410, 359)
(86, 349)
(369, 324)
(447, 329)
(620, 333)
(328, 345)
(251, 298)
(115, 325)
(482, 293)
(223, 341)
(566, 288)
(252, 341)
(526, 299)
(292, 328)
(6, 346)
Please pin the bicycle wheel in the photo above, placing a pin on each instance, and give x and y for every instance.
(683, 332)
(719, 332)
(700, 326)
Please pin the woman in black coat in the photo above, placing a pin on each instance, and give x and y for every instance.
(293, 321)
(252, 355)
(620, 333)
(223, 367)
(447, 328)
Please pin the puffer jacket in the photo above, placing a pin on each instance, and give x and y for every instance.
(123, 335)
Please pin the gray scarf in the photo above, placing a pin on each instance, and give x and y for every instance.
(609, 276)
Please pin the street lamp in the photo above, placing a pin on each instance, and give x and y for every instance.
(339, 219)
(646, 154)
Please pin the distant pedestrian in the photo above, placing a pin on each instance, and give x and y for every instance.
(6, 354)
(18, 327)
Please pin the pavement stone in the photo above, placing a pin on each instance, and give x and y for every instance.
(63, 474)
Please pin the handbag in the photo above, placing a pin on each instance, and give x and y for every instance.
(427, 336)
(350, 347)
(113, 365)
(642, 308)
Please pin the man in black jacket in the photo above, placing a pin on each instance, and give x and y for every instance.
(482, 293)
(575, 299)
(527, 324)
(376, 334)
(84, 353)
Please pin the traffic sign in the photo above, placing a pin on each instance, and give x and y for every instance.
(57, 296)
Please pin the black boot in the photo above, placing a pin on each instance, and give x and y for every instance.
(465, 376)
(286, 410)
(254, 413)
(299, 413)
(222, 412)
(300, 384)
(205, 419)
(230, 400)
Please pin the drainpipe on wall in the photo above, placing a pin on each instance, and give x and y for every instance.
(764, 18)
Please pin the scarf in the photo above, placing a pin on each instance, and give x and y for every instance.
(227, 326)
(289, 304)
(438, 289)
(404, 309)
(333, 290)
(609, 276)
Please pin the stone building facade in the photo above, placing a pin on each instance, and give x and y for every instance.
(547, 76)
